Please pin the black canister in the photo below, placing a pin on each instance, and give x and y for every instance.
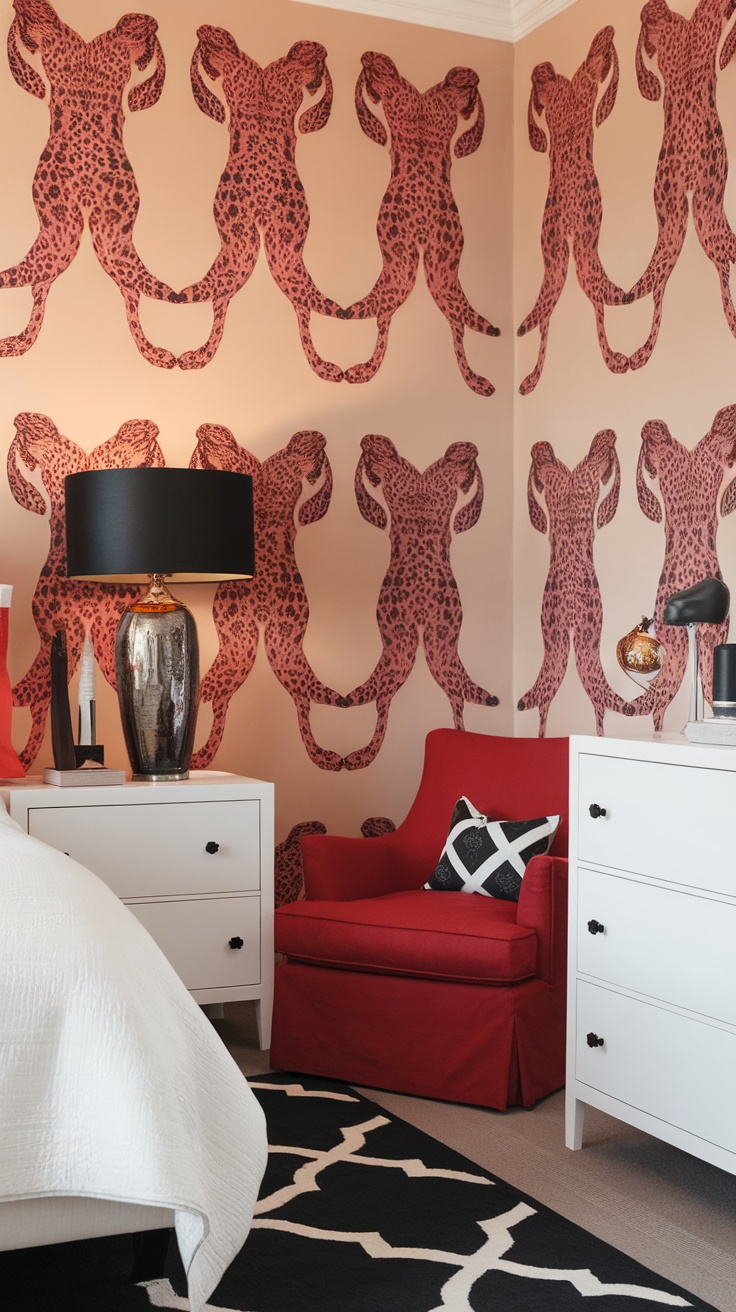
(724, 679)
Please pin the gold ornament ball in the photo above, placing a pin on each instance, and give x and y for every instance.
(638, 652)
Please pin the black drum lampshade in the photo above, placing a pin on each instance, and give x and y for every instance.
(147, 526)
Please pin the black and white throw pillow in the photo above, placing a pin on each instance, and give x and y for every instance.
(490, 856)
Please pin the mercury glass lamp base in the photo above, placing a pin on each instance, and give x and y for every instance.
(157, 667)
(159, 778)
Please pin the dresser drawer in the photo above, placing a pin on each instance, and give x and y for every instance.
(195, 936)
(670, 822)
(156, 849)
(672, 946)
(679, 1070)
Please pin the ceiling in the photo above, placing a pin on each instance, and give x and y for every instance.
(502, 20)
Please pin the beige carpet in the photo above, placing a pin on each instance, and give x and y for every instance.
(670, 1211)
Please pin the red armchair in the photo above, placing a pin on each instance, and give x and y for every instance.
(444, 994)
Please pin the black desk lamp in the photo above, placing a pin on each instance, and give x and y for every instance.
(144, 526)
(706, 602)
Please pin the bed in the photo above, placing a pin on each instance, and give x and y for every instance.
(120, 1108)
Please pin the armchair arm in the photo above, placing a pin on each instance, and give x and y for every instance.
(344, 869)
(543, 908)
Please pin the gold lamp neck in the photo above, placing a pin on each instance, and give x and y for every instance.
(157, 589)
(157, 597)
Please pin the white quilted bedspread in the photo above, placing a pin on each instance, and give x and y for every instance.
(113, 1084)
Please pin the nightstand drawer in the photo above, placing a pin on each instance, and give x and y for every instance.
(659, 819)
(158, 849)
(672, 946)
(679, 1070)
(196, 937)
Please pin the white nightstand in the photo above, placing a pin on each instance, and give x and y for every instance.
(193, 860)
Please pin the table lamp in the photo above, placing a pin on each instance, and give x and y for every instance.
(147, 526)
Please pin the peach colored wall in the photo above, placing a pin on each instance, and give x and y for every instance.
(689, 377)
(86, 374)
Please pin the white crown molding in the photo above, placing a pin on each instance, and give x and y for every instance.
(500, 20)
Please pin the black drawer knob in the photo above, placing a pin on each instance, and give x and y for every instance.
(595, 927)
(237, 942)
(596, 811)
(212, 848)
(594, 1041)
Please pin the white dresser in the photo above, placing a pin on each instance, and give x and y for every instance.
(652, 942)
(192, 859)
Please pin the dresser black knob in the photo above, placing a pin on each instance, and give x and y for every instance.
(596, 810)
(595, 927)
(594, 1041)
(237, 942)
(212, 848)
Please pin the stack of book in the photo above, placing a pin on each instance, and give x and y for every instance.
(721, 729)
(86, 776)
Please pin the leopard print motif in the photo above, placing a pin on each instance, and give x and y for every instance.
(418, 217)
(693, 157)
(288, 870)
(60, 602)
(573, 210)
(690, 486)
(260, 195)
(572, 609)
(419, 598)
(83, 174)
(275, 600)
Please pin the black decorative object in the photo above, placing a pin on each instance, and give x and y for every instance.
(724, 680)
(62, 737)
(147, 525)
(706, 602)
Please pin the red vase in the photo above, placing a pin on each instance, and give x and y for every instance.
(10, 766)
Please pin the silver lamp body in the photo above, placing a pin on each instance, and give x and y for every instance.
(157, 667)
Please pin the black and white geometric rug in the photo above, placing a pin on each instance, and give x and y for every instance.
(361, 1212)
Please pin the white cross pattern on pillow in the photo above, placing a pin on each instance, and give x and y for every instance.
(490, 856)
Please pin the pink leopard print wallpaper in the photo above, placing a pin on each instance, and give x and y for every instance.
(244, 197)
(669, 478)
(83, 175)
(676, 60)
(419, 599)
(260, 196)
(572, 609)
(498, 465)
(692, 487)
(573, 210)
(274, 602)
(418, 220)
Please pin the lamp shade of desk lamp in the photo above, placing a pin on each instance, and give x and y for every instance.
(147, 526)
(706, 602)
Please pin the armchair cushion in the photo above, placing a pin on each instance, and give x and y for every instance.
(407, 933)
(489, 856)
